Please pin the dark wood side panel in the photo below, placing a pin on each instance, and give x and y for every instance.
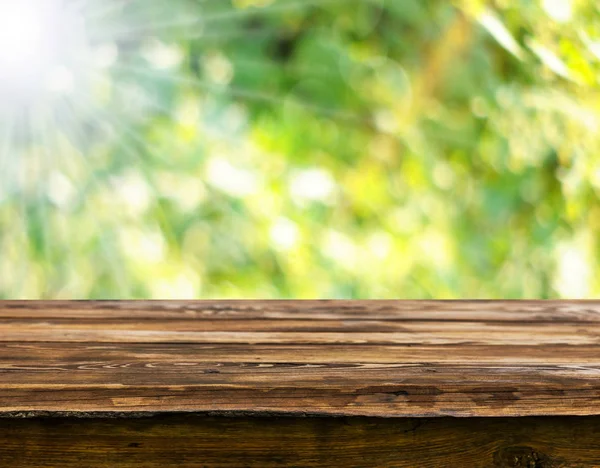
(206, 442)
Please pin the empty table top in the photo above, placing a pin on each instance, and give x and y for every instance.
(370, 358)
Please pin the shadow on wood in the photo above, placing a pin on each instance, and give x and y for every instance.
(205, 441)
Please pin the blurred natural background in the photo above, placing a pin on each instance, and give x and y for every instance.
(299, 149)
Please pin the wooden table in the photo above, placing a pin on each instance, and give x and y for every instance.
(299, 383)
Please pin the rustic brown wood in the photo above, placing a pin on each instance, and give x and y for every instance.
(218, 442)
(342, 358)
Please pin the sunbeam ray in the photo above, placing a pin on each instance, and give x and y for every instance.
(104, 120)
(203, 85)
(122, 284)
(216, 18)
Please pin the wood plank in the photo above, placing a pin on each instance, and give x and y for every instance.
(274, 331)
(140, 354)
(503, 311)
(384, 392)
(212, 442)
(313, 357)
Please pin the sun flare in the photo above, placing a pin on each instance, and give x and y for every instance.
(41, 44)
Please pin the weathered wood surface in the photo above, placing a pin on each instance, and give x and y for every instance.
(367, 358)
(221, 442)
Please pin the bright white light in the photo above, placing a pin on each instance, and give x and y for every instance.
(285, 234)
(559, 10)
(573, 275)
(162, 56)
(41, 41)
(312, 185)
(24, 34)
(60, 80)
(235, 181)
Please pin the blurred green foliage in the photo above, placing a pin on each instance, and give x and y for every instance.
(331, 149)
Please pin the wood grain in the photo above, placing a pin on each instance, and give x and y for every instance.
(342, 358)
(218, 442)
